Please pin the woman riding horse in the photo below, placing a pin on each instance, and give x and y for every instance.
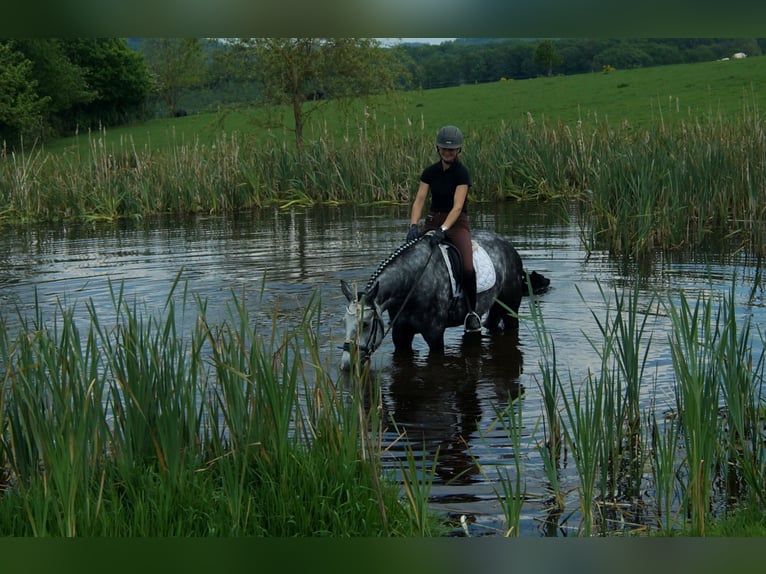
(448, 181)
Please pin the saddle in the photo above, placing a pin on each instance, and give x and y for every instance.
(482, 265)
(485, 271)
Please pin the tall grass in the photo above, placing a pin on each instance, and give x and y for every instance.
(674, 471)
(696, 369)
(624, 352)
(512, 490)
(719, 403)
(137, 428)
(551, 448)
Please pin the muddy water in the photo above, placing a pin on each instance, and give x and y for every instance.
(447, 404)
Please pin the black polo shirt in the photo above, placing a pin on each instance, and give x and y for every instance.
(444, 183)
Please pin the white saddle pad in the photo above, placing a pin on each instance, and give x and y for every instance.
(482, 264)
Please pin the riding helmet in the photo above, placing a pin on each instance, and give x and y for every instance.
(449, 137)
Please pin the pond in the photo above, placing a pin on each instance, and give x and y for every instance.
(445, 404)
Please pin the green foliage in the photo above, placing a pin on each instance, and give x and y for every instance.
(653, 161)
(118, 77)
(470, 61)
(749, 520)
(21, 108)
(138, 428)
(547, 56)
(177, 65)
(622, 56)
(57, 77)
(697, 469)
(70, 84)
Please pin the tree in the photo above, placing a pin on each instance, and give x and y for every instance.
(547, 56)
(117, 76)
(295, 71)
(84, 81)
(21, 109)
(58, 81)
(176, 64)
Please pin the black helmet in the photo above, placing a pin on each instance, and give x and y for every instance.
(449, 137)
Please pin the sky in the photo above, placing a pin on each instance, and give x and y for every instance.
(392, 41)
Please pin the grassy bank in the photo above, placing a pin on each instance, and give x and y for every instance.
(133, 428)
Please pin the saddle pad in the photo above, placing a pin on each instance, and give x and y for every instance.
(482, 264)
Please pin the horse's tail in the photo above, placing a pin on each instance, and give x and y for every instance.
(534, 283)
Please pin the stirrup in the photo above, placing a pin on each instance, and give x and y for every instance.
(472, 323)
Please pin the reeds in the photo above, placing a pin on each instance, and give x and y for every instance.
(719, 398)
(139, 428)
(693, 461)
(512, 484)
(663, 187)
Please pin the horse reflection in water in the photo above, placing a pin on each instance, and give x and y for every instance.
(438, 403)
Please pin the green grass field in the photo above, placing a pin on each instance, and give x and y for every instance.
(640, 97)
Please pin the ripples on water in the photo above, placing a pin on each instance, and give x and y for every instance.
(445, 403)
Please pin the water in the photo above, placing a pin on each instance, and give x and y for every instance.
(446, 404)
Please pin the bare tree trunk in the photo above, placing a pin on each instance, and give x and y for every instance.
(297, 98)
(298, 115)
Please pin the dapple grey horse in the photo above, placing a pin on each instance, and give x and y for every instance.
(418, 289)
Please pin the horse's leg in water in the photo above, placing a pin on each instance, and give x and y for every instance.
(434, 337)
(500, 319)
(402, 336)
(494, 317)
(499, 311)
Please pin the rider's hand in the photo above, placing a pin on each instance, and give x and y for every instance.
(437, 236)
(413, 233)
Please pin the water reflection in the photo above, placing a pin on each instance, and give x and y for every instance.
(439, 401)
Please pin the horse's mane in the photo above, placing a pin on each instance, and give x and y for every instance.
(390, 259)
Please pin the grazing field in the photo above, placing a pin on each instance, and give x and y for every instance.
(642, 97)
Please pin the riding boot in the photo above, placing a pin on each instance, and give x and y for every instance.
(472, 320)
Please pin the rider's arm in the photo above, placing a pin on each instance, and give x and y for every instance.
(420, 201)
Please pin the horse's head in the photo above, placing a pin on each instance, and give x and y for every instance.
(364, 325)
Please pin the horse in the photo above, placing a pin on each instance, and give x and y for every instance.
(419, 289)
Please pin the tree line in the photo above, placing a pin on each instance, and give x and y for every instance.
(52, 87)
(469, 61)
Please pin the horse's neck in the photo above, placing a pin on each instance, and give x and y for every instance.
(397, 279)
(387, 295)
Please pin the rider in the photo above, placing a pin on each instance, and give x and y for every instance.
(448, 181)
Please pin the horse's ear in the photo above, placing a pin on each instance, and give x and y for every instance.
(372, 292)
(347, 290)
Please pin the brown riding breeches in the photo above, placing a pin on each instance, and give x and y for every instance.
(460, 235)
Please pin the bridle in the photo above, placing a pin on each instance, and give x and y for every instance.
(372, 342)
